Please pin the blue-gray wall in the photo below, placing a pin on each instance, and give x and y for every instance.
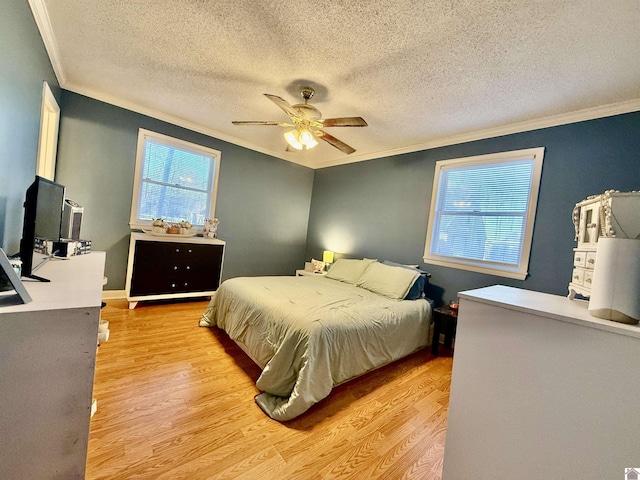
(24, 65)
(379, 208)
(263, 202)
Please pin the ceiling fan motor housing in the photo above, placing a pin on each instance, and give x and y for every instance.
(308, 112)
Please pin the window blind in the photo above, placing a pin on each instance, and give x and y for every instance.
(175, 184)
(481, 211)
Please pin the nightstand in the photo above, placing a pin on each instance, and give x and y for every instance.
(310, 273)
(445, 321)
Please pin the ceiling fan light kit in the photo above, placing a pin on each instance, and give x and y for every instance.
(308, 123)
(300, 139)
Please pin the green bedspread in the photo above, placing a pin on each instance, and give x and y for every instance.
(310, 334)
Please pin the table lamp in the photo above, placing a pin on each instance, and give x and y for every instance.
(327, 258)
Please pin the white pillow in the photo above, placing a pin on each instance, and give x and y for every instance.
(392, 282)
(349, 270)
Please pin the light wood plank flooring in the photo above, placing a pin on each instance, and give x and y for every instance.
(175, 401)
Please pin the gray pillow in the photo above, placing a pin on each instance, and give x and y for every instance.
(392, 282)
(348, 270)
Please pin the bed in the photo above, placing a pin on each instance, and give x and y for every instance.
(312, 333)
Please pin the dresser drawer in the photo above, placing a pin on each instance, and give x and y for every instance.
(579, 259)
(591, 260)
(588, 278)
(578, 276)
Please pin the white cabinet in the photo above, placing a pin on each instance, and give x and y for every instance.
(48, 352)
(587, 222)
(611, 214)
(540, 389)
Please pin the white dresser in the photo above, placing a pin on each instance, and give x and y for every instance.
(540, 390)
(48, 353)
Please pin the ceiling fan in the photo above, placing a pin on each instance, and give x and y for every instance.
(307, 123)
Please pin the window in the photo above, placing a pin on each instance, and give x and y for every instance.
(48, 142)
(482, 212)
(174, 180)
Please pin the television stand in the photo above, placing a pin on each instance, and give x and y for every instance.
(36, 277)
(48, 363)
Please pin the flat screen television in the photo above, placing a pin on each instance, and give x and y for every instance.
(43, 206)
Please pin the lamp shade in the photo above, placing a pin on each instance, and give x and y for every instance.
(306, 138)
(616, 280)
(327, 256)
(300, 138)
(292, 139)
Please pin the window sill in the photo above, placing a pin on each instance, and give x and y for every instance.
(500, 272)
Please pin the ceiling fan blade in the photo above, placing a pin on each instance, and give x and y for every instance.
(275, 124)
(344, 122)
(339, 144)
(284, 105)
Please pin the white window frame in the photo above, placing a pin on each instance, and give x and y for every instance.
(143, 136)
(492, 268)
(48, 141)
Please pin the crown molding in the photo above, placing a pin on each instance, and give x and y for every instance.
(180, 122)
(526, 126)
(41, 16)
(529, 125)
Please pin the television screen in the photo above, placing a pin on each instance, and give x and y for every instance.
(42, 221)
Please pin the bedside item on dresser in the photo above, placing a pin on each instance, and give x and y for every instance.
(318, 265)
(210, 228)
(453, 306)
(158, 225)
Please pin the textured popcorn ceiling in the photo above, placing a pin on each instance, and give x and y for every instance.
(421, 73)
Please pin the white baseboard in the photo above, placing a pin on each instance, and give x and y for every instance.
(111, 294)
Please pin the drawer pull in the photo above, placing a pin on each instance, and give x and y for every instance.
(591, 261)
(186, 284)
(175, 267)
(578, 259)
(576, 277)
(188, 267)
(588, 280)
(190, 250)
(177, 250)
(173, 285)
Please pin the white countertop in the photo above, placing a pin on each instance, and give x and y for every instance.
(74, 283)
(546, 305)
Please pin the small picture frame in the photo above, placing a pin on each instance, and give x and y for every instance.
(8, 276)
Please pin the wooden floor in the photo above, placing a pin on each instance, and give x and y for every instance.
(175, 401)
